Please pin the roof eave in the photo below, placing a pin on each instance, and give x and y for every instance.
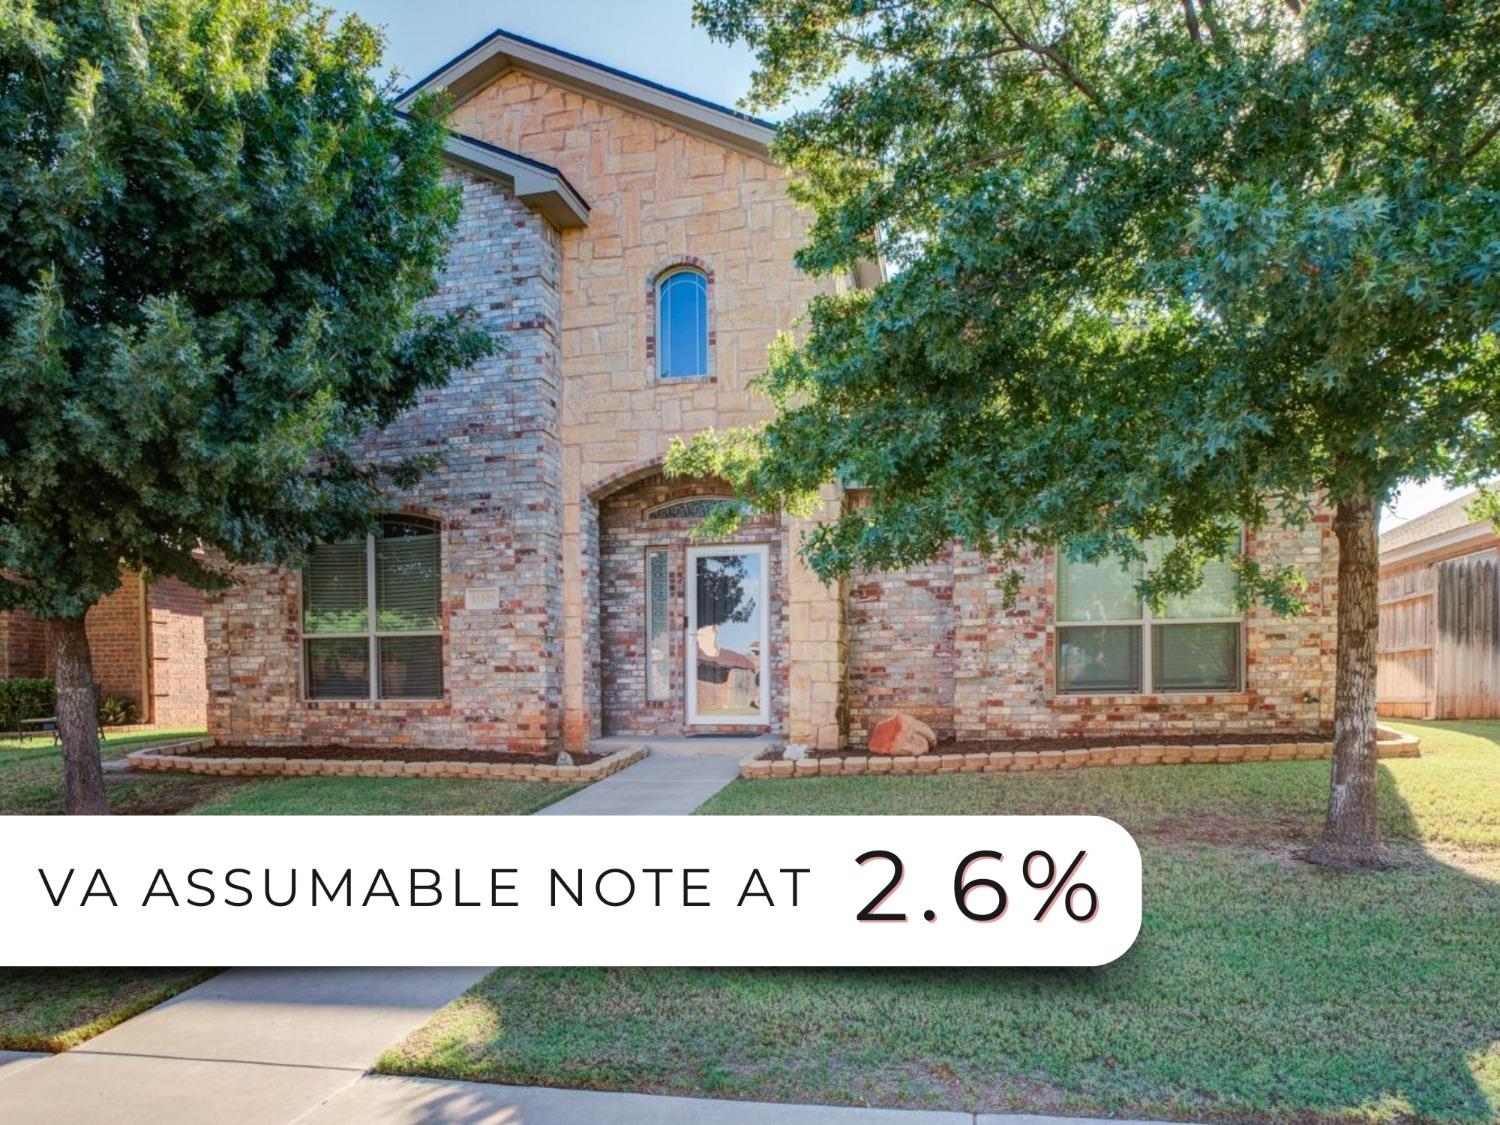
(538, 187)
(1460, 540)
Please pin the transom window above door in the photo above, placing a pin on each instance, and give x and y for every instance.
(371, 614)
(1110, 642)
(682, 324)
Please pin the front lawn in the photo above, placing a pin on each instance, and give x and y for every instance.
(31, 782)
(54, 1009)
(1260, 988)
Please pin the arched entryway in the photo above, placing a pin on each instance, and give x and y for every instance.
(691, 634)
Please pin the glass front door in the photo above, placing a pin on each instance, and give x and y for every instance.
(727, 641)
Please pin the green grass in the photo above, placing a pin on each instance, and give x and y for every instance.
(384, 796)
(31, 782)
(55, 1009)
(1260, 988)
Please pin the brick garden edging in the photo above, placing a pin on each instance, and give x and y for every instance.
(756, 768)
(188, 757)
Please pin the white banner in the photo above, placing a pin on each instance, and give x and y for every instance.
(656, 890)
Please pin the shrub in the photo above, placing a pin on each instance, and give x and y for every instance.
(116, 711)
(25, 698)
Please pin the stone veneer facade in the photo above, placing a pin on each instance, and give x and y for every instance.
(550, 460)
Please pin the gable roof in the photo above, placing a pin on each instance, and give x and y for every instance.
(501, 52)
(1452, 516)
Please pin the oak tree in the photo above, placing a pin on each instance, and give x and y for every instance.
(216, 236)
(1157, 269)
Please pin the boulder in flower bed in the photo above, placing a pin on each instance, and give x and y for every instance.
(901, 735)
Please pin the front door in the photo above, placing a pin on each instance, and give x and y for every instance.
(728, 638)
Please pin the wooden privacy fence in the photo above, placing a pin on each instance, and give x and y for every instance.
(1440, 640)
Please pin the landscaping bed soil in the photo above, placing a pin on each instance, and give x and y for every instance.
(1097, 742)
(383, 754)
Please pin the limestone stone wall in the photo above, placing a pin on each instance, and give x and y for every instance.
(496, 431)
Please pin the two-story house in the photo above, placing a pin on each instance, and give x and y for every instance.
(635, 246)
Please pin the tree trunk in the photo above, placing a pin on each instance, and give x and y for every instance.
(1351, 831)
(77, 717)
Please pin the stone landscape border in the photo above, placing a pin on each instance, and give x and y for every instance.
(190, 757)
(758, 768)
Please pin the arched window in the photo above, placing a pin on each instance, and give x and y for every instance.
(682, 324)
(371, 614)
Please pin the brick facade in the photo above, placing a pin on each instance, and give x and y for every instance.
(550, 462)
(626, 535)
(497, 497)
(146, 640)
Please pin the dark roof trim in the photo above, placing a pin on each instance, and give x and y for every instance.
(500, 52)
(537, 185)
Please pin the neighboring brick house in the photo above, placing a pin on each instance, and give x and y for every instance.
(635, 245)
(146, 640)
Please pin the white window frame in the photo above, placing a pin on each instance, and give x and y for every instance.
(708, 312)
(373, 634)
(1146, 623)
(690, 581)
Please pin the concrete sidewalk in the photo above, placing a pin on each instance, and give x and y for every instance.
(409, 1101)
(249, 1046)
(678, 776)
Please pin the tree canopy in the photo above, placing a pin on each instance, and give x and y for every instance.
(1156, 268)
(216, 235)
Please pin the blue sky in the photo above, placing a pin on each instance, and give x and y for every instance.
(653, 38)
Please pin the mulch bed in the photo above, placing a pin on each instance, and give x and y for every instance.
(1098, 742)
(384, 754)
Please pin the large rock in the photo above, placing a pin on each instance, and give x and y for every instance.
(903, 735)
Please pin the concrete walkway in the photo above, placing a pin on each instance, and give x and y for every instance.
(409, 1101)
(248, 1046)
(678, 776)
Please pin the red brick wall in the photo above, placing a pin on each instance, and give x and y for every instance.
(179, 691)
(162, 675)
(625, 535)
(23, 645)
(115, 627)
(901, 647)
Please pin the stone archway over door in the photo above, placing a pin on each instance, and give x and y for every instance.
(647, 560)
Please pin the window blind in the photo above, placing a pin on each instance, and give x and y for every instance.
(406, 583)
(335, 590)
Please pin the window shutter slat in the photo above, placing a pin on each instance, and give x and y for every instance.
(406, 583)
(411, 667)
(1099, 591)
(1099, 658)
(338, 668)
(1196, 657)
(1215, 598)
(335, 593)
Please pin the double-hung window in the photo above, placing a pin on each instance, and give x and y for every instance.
(371, 615)
(1110, 642)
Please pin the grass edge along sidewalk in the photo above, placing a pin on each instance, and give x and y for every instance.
(56, 1009)
(1261, 988)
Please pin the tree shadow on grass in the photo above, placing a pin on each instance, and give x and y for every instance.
(1260, 988)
